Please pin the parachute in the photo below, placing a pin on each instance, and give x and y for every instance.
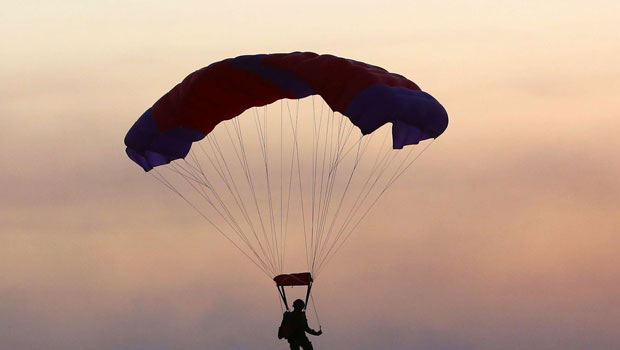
(266, 146)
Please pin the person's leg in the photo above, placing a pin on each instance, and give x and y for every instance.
(294, 345)
(306, 344)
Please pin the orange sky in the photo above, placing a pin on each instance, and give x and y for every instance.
(502, 236)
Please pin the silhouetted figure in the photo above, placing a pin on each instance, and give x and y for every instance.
(294, 327)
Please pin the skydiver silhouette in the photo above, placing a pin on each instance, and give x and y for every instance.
(295, 326)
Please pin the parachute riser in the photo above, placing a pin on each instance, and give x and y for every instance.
(282, 293)
(283, 296)
(294, 279)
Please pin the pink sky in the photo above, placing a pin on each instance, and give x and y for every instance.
(514, 209)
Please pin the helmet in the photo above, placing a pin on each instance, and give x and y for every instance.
(299, 304)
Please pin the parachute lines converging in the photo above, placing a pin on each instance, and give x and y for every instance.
(251, 202)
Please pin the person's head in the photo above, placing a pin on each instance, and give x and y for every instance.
(299, 304)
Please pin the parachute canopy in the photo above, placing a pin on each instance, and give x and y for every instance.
(368, 95)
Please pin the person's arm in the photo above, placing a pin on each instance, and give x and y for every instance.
(310, 330)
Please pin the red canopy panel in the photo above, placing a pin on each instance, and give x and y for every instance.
(294, 279)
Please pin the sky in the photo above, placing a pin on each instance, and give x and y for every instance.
(504, 235)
